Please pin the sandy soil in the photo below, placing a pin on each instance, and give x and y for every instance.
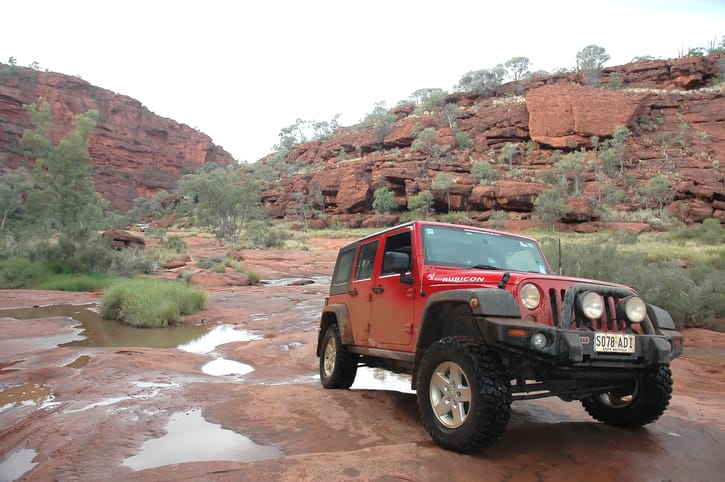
(96, 408)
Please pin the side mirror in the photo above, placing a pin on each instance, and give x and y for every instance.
(395, 262)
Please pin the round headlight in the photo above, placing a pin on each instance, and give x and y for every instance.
(592, 305)
(635, 309)
(530, 296)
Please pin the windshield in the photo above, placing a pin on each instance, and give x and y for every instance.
(468, 248)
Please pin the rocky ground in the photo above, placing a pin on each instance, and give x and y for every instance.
(102, 413)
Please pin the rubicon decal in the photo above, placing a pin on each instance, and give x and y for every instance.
(461, 279)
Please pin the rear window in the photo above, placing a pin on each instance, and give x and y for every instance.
(343, 269)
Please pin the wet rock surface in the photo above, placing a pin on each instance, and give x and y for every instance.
(97, 413)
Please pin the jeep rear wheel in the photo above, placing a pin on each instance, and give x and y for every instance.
(640, 403)
(464, 397)
(338, 366)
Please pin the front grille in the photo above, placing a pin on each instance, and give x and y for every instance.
(565, 314)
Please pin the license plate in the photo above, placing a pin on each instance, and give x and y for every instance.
(613, 343)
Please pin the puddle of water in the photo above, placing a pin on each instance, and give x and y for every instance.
(221, 367)
(321, 280)
(219, 335)
(79, 362)
(378, 379)
(18, 463)
(98, 332)
(4, 366)
(190, 438)
(28, 393)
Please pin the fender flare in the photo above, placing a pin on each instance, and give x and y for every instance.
(336, 313)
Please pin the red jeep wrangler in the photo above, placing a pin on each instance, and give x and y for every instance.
(477, 318)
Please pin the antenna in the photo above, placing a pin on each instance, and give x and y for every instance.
(560, 270)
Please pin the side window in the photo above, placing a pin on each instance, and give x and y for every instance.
(398, 243)
(365, 261)
(343, 270)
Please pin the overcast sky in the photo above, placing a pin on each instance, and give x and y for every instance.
(241, 70)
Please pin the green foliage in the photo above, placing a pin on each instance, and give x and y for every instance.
(18, 272)
(551, 205)
(572, 167)
(658, 189)
(303, 131)
(262, 235)
(131, 262)
(381, 120)
(443, 182)
(691, 294)
(709, 232)
(484, 82)
(508, 151)
(428, 100)
(224, 198)
(173, 243)
(462, 139)
(590, 60)
(517, 67)
(615, 82)
(64, 197)
(421, 203)
(482, 171)
(218, 268)
(14, 188)
(384, 200)
(150, 303)
(76, 282)
(253, 277)
(425, 143)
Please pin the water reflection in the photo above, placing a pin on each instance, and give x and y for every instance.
(17, 464)
(190, 438)
(98, 332)
(378, 379)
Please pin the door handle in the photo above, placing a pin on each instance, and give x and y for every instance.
(378, 289)
(352, 292)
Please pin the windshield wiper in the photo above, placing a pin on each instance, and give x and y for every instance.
(485, 266)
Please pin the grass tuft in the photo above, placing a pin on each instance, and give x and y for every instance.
(150, 303)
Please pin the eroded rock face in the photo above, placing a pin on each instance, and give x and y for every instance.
(135, 153)
(567, 116)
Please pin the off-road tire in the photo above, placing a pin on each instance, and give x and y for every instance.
(338, 366)
(482, 408)
(642, 403)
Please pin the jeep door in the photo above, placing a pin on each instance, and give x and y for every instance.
(392, 300)
(359, 302)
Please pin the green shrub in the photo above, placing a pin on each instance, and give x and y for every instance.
(75, 282)
(690, 292)
(150, 303)
(209, 263)
(173, 243)
(130, 262)
(18, 272)
(218, 268)
(262, 235)
(253, 277)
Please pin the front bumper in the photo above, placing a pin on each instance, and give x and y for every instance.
(576, 347)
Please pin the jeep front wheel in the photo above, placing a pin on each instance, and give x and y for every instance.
(640, 403)
(338, 366)
(464, 397)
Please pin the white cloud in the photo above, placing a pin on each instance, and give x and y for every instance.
(240, 71)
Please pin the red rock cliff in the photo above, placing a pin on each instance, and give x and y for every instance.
(677, 130)
(135, 153)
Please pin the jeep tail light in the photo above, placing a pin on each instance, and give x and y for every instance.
(530, 296)
(591, 304)
(634, 308)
